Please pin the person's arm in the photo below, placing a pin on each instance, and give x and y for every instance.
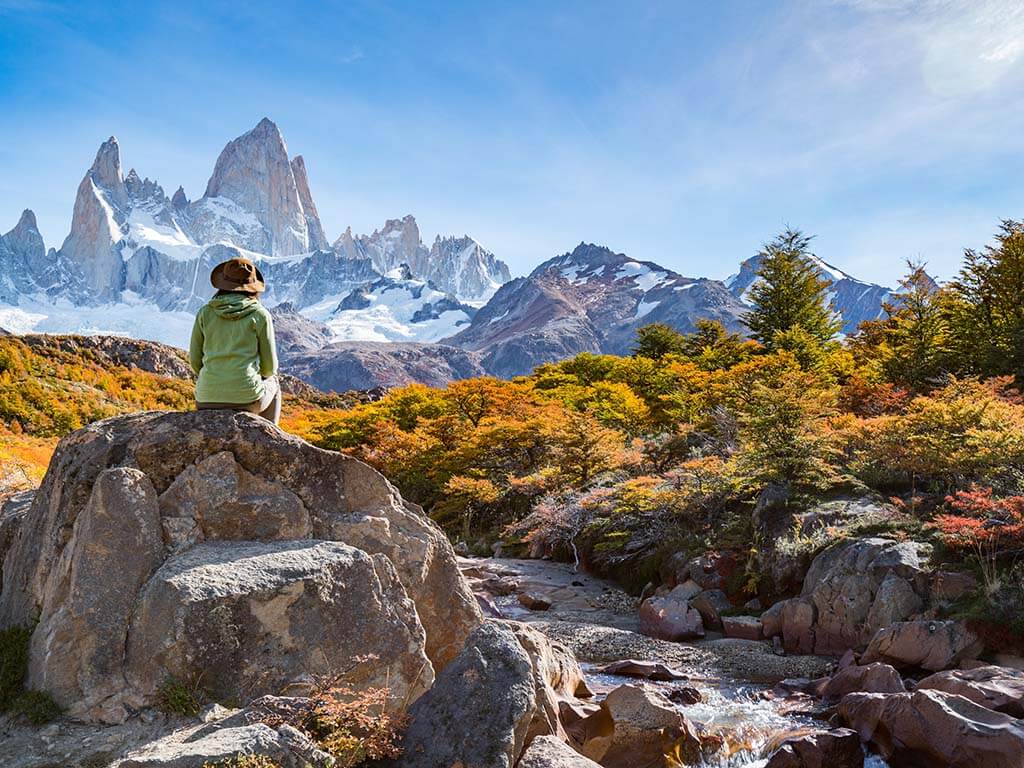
(268, 347)
(195, 347)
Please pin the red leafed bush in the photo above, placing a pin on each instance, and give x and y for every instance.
(985, 526)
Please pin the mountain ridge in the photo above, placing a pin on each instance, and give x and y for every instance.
(135, 263)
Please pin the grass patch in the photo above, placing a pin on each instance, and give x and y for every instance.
(175, 697)
(38, 707)
(13, 664)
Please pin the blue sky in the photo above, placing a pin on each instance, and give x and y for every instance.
(686, 133)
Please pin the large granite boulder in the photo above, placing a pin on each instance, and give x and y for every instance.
(930, 727)
(834, 748)
(251, 618)
(638, 728)
(481, 707)
(870, 678)
(852, 590)
(670, 618)
(226, 514)
(931, 645)
(997, 688)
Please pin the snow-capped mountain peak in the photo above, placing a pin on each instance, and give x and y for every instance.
(130, 246)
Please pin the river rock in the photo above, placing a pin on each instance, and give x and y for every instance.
(506, 687)
(666, 618)
(870, 678)
(930, 727)
(127, 496)
(557, 679)
(550, 752)
(534, 601)
(931, 645)
(710, 604)
(649, 670)
(742, 627)
(637, 728)
(834, 748)
(250, 618)
(997, 688)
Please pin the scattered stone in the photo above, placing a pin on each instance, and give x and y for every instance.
(487, 606)
(710, 604)
(534, 601)
(931, 645)
(684, 696)
(743, 627)
(649, 670)
(668, 619)
(685, 591)
(997, 688)
(550, 752)
(871, 678)
(931, 727)
(834, 748)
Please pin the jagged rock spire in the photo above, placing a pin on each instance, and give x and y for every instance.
(255, 173)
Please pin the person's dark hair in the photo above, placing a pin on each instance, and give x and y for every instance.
(250, 294)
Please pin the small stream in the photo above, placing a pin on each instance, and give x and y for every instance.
(734, 680)
(748, 722)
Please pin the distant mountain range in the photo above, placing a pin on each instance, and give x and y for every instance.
(365, 310)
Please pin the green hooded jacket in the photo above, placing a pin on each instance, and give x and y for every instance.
(232, 349)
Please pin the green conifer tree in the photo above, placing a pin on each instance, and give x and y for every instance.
(789, 292)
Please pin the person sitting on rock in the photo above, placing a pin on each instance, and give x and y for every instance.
(232, 349)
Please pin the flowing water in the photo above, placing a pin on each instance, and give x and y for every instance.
(734, 678)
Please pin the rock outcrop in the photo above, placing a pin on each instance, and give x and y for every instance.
(930, 727)
(871, 593)
(211, 545)
(998, 688)
(261, 728)
(499, 694)
(834, 748)
(924, 643)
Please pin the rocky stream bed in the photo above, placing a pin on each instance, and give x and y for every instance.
(729, 686)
